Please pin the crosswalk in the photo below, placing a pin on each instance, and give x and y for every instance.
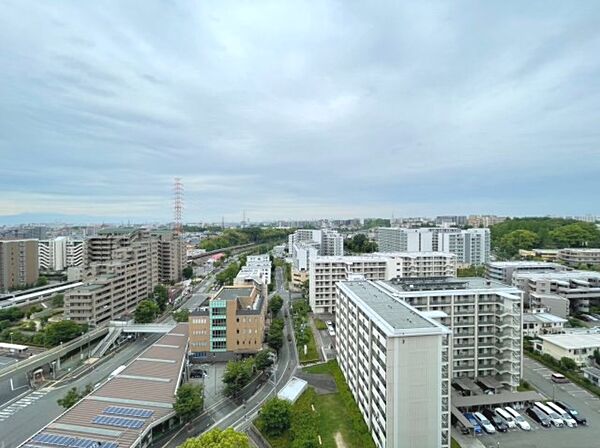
(9, 411)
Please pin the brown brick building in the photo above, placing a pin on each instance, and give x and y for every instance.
(18, 263)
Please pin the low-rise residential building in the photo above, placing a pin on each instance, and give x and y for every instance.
(485, 318)
(325, 272)
(503, 271)
(257, 266)
(541, 322)
(580, 288)
(18, 264)
(576, 346)
(230, 324)
(592, 374)
(60, 253)
(576, 257)
(555, 304)
(396, 363)
(485, 220)
(542, 254)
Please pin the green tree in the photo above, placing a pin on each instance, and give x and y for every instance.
(237, 375)
(181, 315)
(360, 244)
(219, 438)
(275, 416)
(226, 276)
(275, 305)
(188, 401)
(70, 399)
(579, 234)
(62, 331)
(146, 312)
(161, 297)
(41, 281)
(568, 363)
(263, 359)
(518, 239)
(58, 301)
(275, 335)
(188, 272)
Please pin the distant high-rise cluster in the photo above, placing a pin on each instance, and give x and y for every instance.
(61, 253)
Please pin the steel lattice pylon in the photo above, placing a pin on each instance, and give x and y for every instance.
(177, 204)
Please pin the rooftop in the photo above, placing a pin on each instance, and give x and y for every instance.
(573, 341)
(396, 314)
(544, 318)
(447, 284)
(233, 293)
(562, 275)
(124, 408)
(524, 263)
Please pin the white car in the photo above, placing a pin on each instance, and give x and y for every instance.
(484, 423)
(569, 421)
(521, 422)
(510, 421)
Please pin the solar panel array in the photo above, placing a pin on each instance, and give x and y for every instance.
(71, 442)
(129, 412)
(118, 421)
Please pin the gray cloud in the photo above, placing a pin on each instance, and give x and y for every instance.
(299, 109)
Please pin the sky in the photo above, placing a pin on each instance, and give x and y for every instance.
(299, 110)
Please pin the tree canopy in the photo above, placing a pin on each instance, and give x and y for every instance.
(237, 375)
(263, 359)
(275, 304)
(63, 331)
(189, 400)
(188, 272)
(237, 237)
(360, 244)
(276, 416)
(181, 315)
(275, 335)
(218, 438)
(146, 312)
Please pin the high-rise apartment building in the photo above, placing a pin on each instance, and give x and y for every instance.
(172, 256)
(122, 269)
(329, 242)
(503, 271)
(60, 253)
(485, 318)
(325, 272)
(471, 246)
(18, 264)
(232, 323)
(396, 363)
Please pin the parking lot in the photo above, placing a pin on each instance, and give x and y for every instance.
(581, 437)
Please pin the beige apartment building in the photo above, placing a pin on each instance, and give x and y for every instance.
(575, 257)
(171, 256)
(325, 272)
(18, 264)
(122, 270)
(230, 324)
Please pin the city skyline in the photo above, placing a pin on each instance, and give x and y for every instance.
(295, 111)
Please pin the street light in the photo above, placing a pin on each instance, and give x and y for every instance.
(11, 337)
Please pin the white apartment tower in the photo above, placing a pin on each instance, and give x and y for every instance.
(328, 242)
(60, 253)
(486, 319)
(325, 272)
(395, 361)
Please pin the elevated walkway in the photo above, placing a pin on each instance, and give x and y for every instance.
(130, 327)
(107, 342)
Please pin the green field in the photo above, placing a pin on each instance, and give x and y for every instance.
(333, 413)
(311, 348)
(320, 324)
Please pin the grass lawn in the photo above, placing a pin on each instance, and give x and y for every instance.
(320, 324)
(332, 413)
(311, 348)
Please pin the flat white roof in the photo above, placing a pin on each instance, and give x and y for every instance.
(573, 341)
(561, 275)
(521, 263)
(293, 389)
(545, 318)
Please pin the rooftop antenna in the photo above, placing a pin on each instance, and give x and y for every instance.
(177, 205)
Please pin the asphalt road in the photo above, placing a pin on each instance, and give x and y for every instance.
(33, 411)
(239, 414)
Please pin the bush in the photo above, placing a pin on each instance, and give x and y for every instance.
(276, 416)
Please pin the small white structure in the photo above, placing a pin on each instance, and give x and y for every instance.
(577, 347)
(292, 390)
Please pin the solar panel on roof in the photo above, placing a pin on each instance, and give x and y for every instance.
(71, 442)
(118, 421)
(130, 412)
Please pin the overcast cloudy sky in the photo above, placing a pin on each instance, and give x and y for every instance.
(299, 109)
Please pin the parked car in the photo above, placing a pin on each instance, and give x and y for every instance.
(569, 421)
(551, 414)
(580, 419)
(484, 422)
(521, 422)
(500, 424)
(473, 421)
(329, 323)
(539, 417)
(508, 419)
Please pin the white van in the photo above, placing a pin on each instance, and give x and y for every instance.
(510, 421)
(521, 422)
(569, 421)
(484, 423)
(552, 415)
